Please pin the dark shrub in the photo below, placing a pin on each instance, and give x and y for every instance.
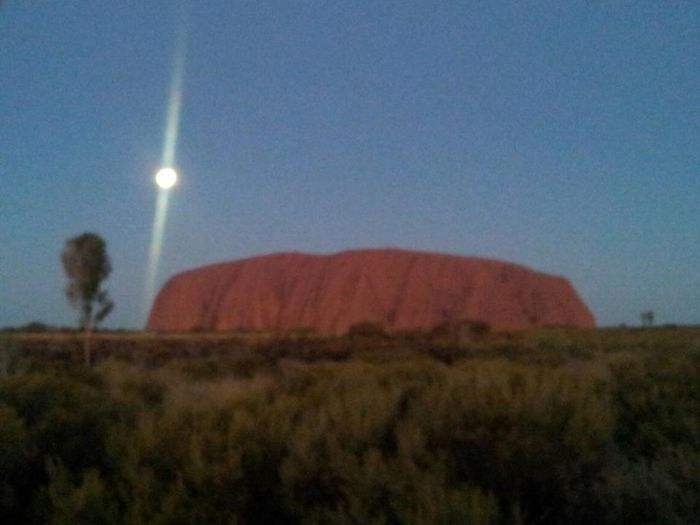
(366, 329)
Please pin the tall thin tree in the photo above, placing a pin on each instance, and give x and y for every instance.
(87, 264)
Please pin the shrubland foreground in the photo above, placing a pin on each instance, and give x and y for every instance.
(549, 426)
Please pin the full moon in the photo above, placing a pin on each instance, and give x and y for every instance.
(166, 178)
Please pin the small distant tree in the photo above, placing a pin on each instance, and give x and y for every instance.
(87, 264)
(647, 317)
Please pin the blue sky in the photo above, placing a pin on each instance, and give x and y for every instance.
(560, 135)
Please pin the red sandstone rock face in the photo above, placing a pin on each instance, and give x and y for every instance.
(398, 288)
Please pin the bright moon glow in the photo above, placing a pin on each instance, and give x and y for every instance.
(166, 178)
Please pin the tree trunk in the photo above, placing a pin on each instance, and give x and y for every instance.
(86, 345)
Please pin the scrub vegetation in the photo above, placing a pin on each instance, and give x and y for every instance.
(549, 426)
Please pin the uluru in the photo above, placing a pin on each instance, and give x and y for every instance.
(400, 289)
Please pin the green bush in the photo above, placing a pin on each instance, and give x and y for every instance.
(11, 361)
(548, 427)
(15, 454)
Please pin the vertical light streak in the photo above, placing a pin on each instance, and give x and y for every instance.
(156, 246)
(172, 125)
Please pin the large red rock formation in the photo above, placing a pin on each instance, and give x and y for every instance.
(398, 288)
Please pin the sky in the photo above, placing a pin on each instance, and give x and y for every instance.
(564, 136)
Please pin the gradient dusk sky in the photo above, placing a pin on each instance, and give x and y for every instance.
(564, 136)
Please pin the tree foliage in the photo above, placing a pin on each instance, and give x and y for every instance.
(87, 264)
(647, 317)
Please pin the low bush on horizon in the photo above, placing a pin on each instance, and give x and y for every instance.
(547, 427)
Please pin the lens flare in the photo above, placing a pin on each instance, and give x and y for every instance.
(156, 246)
(166, 177)
(172, 122)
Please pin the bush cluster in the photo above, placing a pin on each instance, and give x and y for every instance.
(601, 435)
